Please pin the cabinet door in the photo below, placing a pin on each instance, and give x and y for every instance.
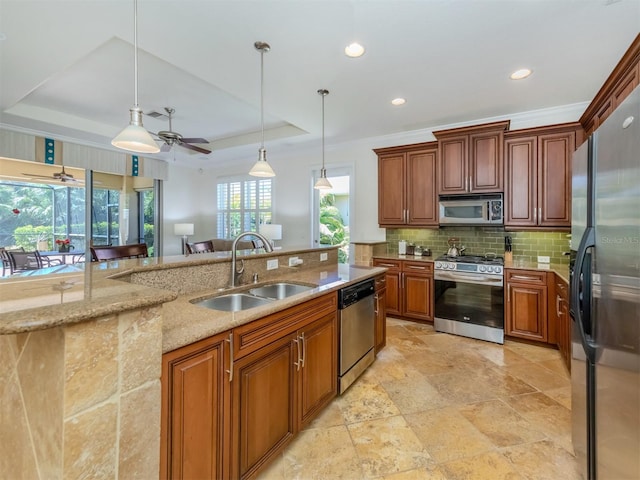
(422, 197)
(521, 181)
(554, 184)
(195, 405)
(391, 189)
(417, 296)
(526, 315)
(452, 165)
(319, 370)
(381, 320)
(263, 406)
(485, 162)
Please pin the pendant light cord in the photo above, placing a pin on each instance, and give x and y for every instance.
(323, 95)
(135, 53)
(262, 94)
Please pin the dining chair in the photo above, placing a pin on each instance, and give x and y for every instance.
(119, 252)
(200, 247)
(23, 261)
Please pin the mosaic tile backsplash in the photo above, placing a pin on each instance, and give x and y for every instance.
(481, 240)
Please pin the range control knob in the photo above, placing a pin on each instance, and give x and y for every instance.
(490, 269)
(438, 265)
(482, 268)
(498, 269)
(452, 266)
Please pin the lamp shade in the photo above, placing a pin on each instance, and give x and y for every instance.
(271, 230)
(183, 229)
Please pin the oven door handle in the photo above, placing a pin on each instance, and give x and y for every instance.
(462, 277)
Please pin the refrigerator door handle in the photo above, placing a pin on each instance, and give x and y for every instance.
(583, 317)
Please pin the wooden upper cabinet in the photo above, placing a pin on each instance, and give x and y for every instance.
(391, 189)
(623, 79)
(406, 186)
(538, 176)
(554, 179)
(470, 159)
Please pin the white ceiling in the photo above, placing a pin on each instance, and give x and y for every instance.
(66, 66)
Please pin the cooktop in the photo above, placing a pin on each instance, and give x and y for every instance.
(479, 259)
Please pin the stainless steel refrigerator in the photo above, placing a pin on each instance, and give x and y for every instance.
(605, 297)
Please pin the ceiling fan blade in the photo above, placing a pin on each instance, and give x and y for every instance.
(35, 175)
(195, 140)
(193, 147)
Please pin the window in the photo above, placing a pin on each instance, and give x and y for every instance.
(243, 204)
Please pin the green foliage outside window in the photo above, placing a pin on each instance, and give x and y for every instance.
(333, 231)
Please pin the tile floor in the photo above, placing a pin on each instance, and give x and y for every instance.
(442, 407)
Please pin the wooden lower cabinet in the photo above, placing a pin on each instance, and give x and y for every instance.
(526, 304)
(232, 402)
(409, 288)
(195, 399)
(562, 320)
(381, 313)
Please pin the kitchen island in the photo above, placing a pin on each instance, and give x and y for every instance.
(81, 353)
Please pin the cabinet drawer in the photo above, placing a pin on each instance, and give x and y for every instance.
(380, 282)
(417, 267)
(562, 289)
(254, 335)
(392, 265)
(526, 276)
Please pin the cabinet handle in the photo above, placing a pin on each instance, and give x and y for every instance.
(508, 293)
(377, 299)
(469, 183)
(535, 215)
(299, 362)
(380, 282)
(524, 277)
(416, 267)
(540, 214)
(387, 265)
(558, 312)
(304, 348)
(230, 371)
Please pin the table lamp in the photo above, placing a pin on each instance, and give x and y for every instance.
(184, 230)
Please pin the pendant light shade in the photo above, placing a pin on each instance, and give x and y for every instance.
(134, 137)
(262, 168)
(323, 183)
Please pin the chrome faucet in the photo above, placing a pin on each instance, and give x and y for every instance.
(235, 273)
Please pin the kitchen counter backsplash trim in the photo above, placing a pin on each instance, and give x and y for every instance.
(480, 240)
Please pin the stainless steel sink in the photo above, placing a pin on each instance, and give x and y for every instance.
(278, 291)
(233, 302)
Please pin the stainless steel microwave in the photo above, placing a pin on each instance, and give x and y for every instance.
(471, 209)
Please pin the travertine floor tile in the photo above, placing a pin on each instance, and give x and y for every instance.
(498, 354)
(489, 466)
(461, 387)
(561, 395)
(427, 473)
(533, 353)
(414, 394)
(543, 460)
(447, 434)
(322, 453)
(501, 423)
(538, 377)
(366, 401)
(387, 446)
(557, 366)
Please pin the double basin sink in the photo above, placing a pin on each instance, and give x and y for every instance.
(255, 297)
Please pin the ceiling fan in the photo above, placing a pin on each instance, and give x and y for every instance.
(170, 138)
(60, 176)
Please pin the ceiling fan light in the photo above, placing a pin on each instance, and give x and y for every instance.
(323, 183)
(134, 137)
(262, 168)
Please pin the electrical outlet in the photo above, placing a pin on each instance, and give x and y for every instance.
(294, 261)
(272, 264)
(543, 259)
(324, 257)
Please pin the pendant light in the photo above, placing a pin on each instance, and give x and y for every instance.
(134, 137)
(323, 183)
(262, 167)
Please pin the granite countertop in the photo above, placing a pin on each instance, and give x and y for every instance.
(185, 323)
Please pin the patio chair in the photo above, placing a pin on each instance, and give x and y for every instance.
(23, 261)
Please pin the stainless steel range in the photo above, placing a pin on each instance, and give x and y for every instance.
(469, 296)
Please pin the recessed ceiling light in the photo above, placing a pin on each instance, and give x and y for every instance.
(398, 101)
(354, 50)
(520, 74)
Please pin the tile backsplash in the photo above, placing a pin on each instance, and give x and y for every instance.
(481, 240)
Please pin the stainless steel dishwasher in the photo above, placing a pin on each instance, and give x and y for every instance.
(357, 324)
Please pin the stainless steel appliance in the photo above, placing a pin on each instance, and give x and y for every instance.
(469, 296)
(357, 326)
(605, 297)
(471, 209)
